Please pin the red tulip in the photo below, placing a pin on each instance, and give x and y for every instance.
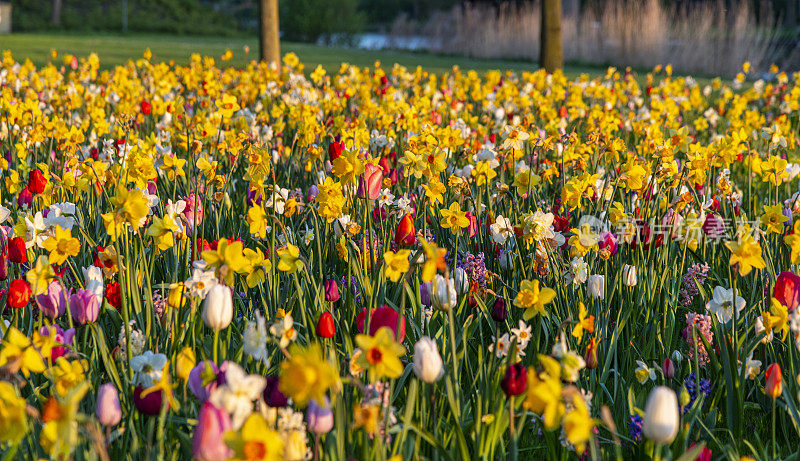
(383, 317)
(515, 380)
(787, 289)
(19, 293)
(774, 385)
(335, 150)
(113, 295)
(405, 235)
(17, 253)
(25, 198)
(146, 107)
(36, 181)
(325, 325)
(668, 368)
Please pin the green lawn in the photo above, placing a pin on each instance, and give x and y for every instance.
(114, 49)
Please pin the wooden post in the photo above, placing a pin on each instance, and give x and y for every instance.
(269, 40)
(551, 56)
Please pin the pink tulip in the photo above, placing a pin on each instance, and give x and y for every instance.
(371, 182)
(208, 443)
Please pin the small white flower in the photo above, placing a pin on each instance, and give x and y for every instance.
(284, 330)
(502, 230)
(237, 395)
(255, 339)
(148, 368)
(722, 302)
(500, 345)
(386, 199)
(523, 334)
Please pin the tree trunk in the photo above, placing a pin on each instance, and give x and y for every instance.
(551, 56)
(56, 18)
(269, 40)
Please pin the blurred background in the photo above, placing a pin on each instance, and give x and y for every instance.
(701, 36)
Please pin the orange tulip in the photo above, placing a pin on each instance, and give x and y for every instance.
(774, 386)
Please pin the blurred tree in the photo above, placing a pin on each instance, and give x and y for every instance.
(551, 56)
(327, 20)
(269, 40)
(56, 17)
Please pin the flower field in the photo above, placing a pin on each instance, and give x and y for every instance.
(384, 263)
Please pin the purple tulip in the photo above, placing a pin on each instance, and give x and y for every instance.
(272, 395)
(311, 193)
(319, 417)
(54, 302)
(424, 294)
(108, 410)
(203, 379)
(208, 443)
(331, 290)
(84, 306)
(25, 198)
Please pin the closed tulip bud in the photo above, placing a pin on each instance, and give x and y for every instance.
(319, 418)
(335, 149)
(590, 357)
(325, 325)
(272, 395)
(629, 275)
(25, 198)
(93, 280)
(443, 293)
(3, 266)
(84, 306)
(515, 381)
(150, 404)
(427, 361)
(208, 443)
(370, 183)
(53, 303)
(597, 286)
(461, 280)
(405, 235)
(424, 295)
(661, 416)
(36, 181)
(331, 290)
(185, 362)
(218, 307)
(108, 410)
(19, 293)
(177, 295)
(774, 385)
(787, 290)
(499, 310)
(311, 193)
(17, 252)
(668, 367)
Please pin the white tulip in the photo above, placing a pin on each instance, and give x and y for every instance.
(442, 293)
(427, 361)
(629, 275)
(461, 280)
(93, 280)
(597, 286)
(661, 416)
(218, 307)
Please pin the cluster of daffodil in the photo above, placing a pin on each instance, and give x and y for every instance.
(275, 262)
